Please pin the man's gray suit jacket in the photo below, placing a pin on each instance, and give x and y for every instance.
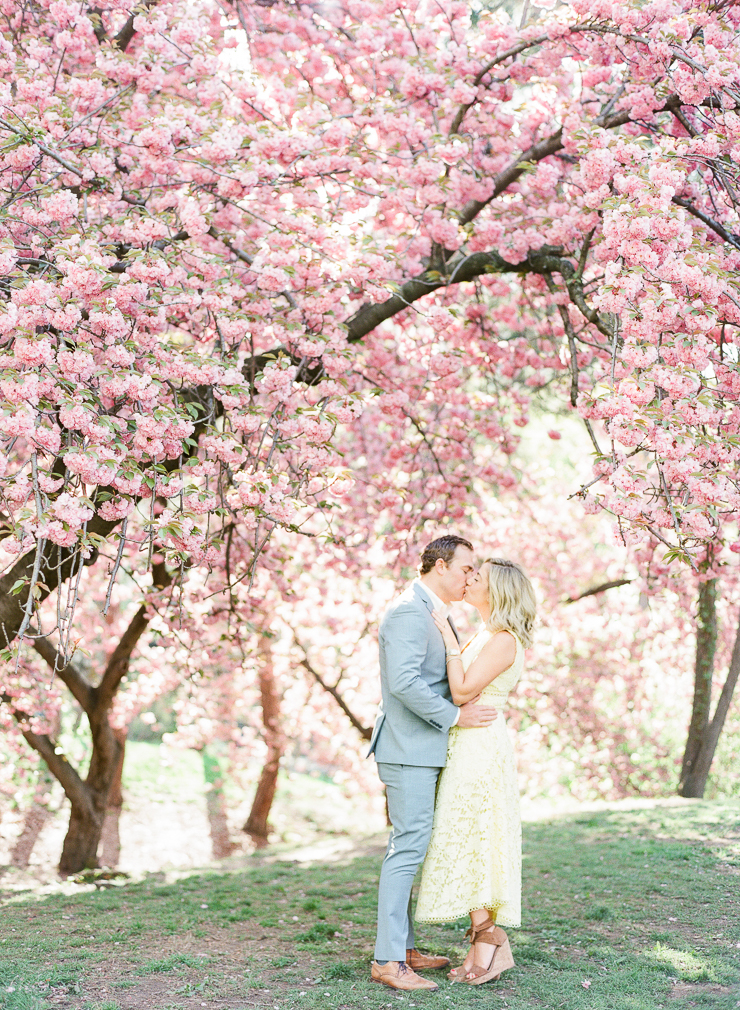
(416, 711)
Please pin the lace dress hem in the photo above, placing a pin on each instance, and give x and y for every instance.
(452, 916)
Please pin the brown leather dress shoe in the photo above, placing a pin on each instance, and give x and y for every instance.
(398, 975)
(419, 962)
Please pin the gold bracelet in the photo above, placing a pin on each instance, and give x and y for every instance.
(453, 655)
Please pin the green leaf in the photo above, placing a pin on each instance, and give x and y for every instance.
(17, 586)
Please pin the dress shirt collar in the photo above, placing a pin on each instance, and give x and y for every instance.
(437, 604)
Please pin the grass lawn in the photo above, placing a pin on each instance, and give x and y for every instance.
(623, 910)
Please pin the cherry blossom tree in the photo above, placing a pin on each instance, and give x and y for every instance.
(241, 239)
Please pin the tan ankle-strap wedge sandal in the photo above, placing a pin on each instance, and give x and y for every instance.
(502, 959)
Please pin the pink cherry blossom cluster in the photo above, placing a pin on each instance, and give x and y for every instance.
(235, 302)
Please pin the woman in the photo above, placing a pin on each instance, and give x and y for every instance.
(473, 863)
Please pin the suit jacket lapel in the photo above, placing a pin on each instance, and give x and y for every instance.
(421, 595)
(428, 604)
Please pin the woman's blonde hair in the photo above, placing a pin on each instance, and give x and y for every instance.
(512, 599)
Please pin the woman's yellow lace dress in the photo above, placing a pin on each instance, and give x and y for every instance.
(474, 859)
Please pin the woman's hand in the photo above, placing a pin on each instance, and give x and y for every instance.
(447, 633)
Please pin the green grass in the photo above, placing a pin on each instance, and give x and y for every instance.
(154, 771)
(623, 910)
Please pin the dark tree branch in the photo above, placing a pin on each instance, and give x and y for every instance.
(690, 783)
(96, 16)
(542, 149)
(548, 259)
(716, 227)
(60, 768)
(123, 39)
(503, 179)
(239, 253)
(461, 268)
(508, 54)
(602, 588)
(364, 731)
(160, 244)
(118, 663)
(57, 763)
(369, 316)
(69, 674)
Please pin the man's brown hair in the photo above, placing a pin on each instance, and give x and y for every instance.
(442, 547)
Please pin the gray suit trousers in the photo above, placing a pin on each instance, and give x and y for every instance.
(410, 790)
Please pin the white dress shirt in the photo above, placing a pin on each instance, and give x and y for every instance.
(436, 602)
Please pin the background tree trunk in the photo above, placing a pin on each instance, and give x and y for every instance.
(33, 823)
(110, 853)
(221, 844)
(704, 733)
(706, 646)
(256, 825)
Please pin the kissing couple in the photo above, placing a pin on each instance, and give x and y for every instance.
(439, 730)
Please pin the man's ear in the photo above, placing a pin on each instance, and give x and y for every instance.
(440, 566)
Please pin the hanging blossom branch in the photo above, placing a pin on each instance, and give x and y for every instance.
(364, 731)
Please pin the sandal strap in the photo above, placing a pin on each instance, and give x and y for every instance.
(497, 937)
(476, 971)
(475, 930)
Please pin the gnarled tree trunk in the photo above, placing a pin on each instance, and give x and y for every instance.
(704, 732)
(89, 797)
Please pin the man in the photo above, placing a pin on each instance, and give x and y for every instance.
(409, 742)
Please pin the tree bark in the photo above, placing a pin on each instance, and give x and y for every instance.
(80, 849)
(111, 836)
(706, 646)
(601, 588)
(702, 742)
(257, 826)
